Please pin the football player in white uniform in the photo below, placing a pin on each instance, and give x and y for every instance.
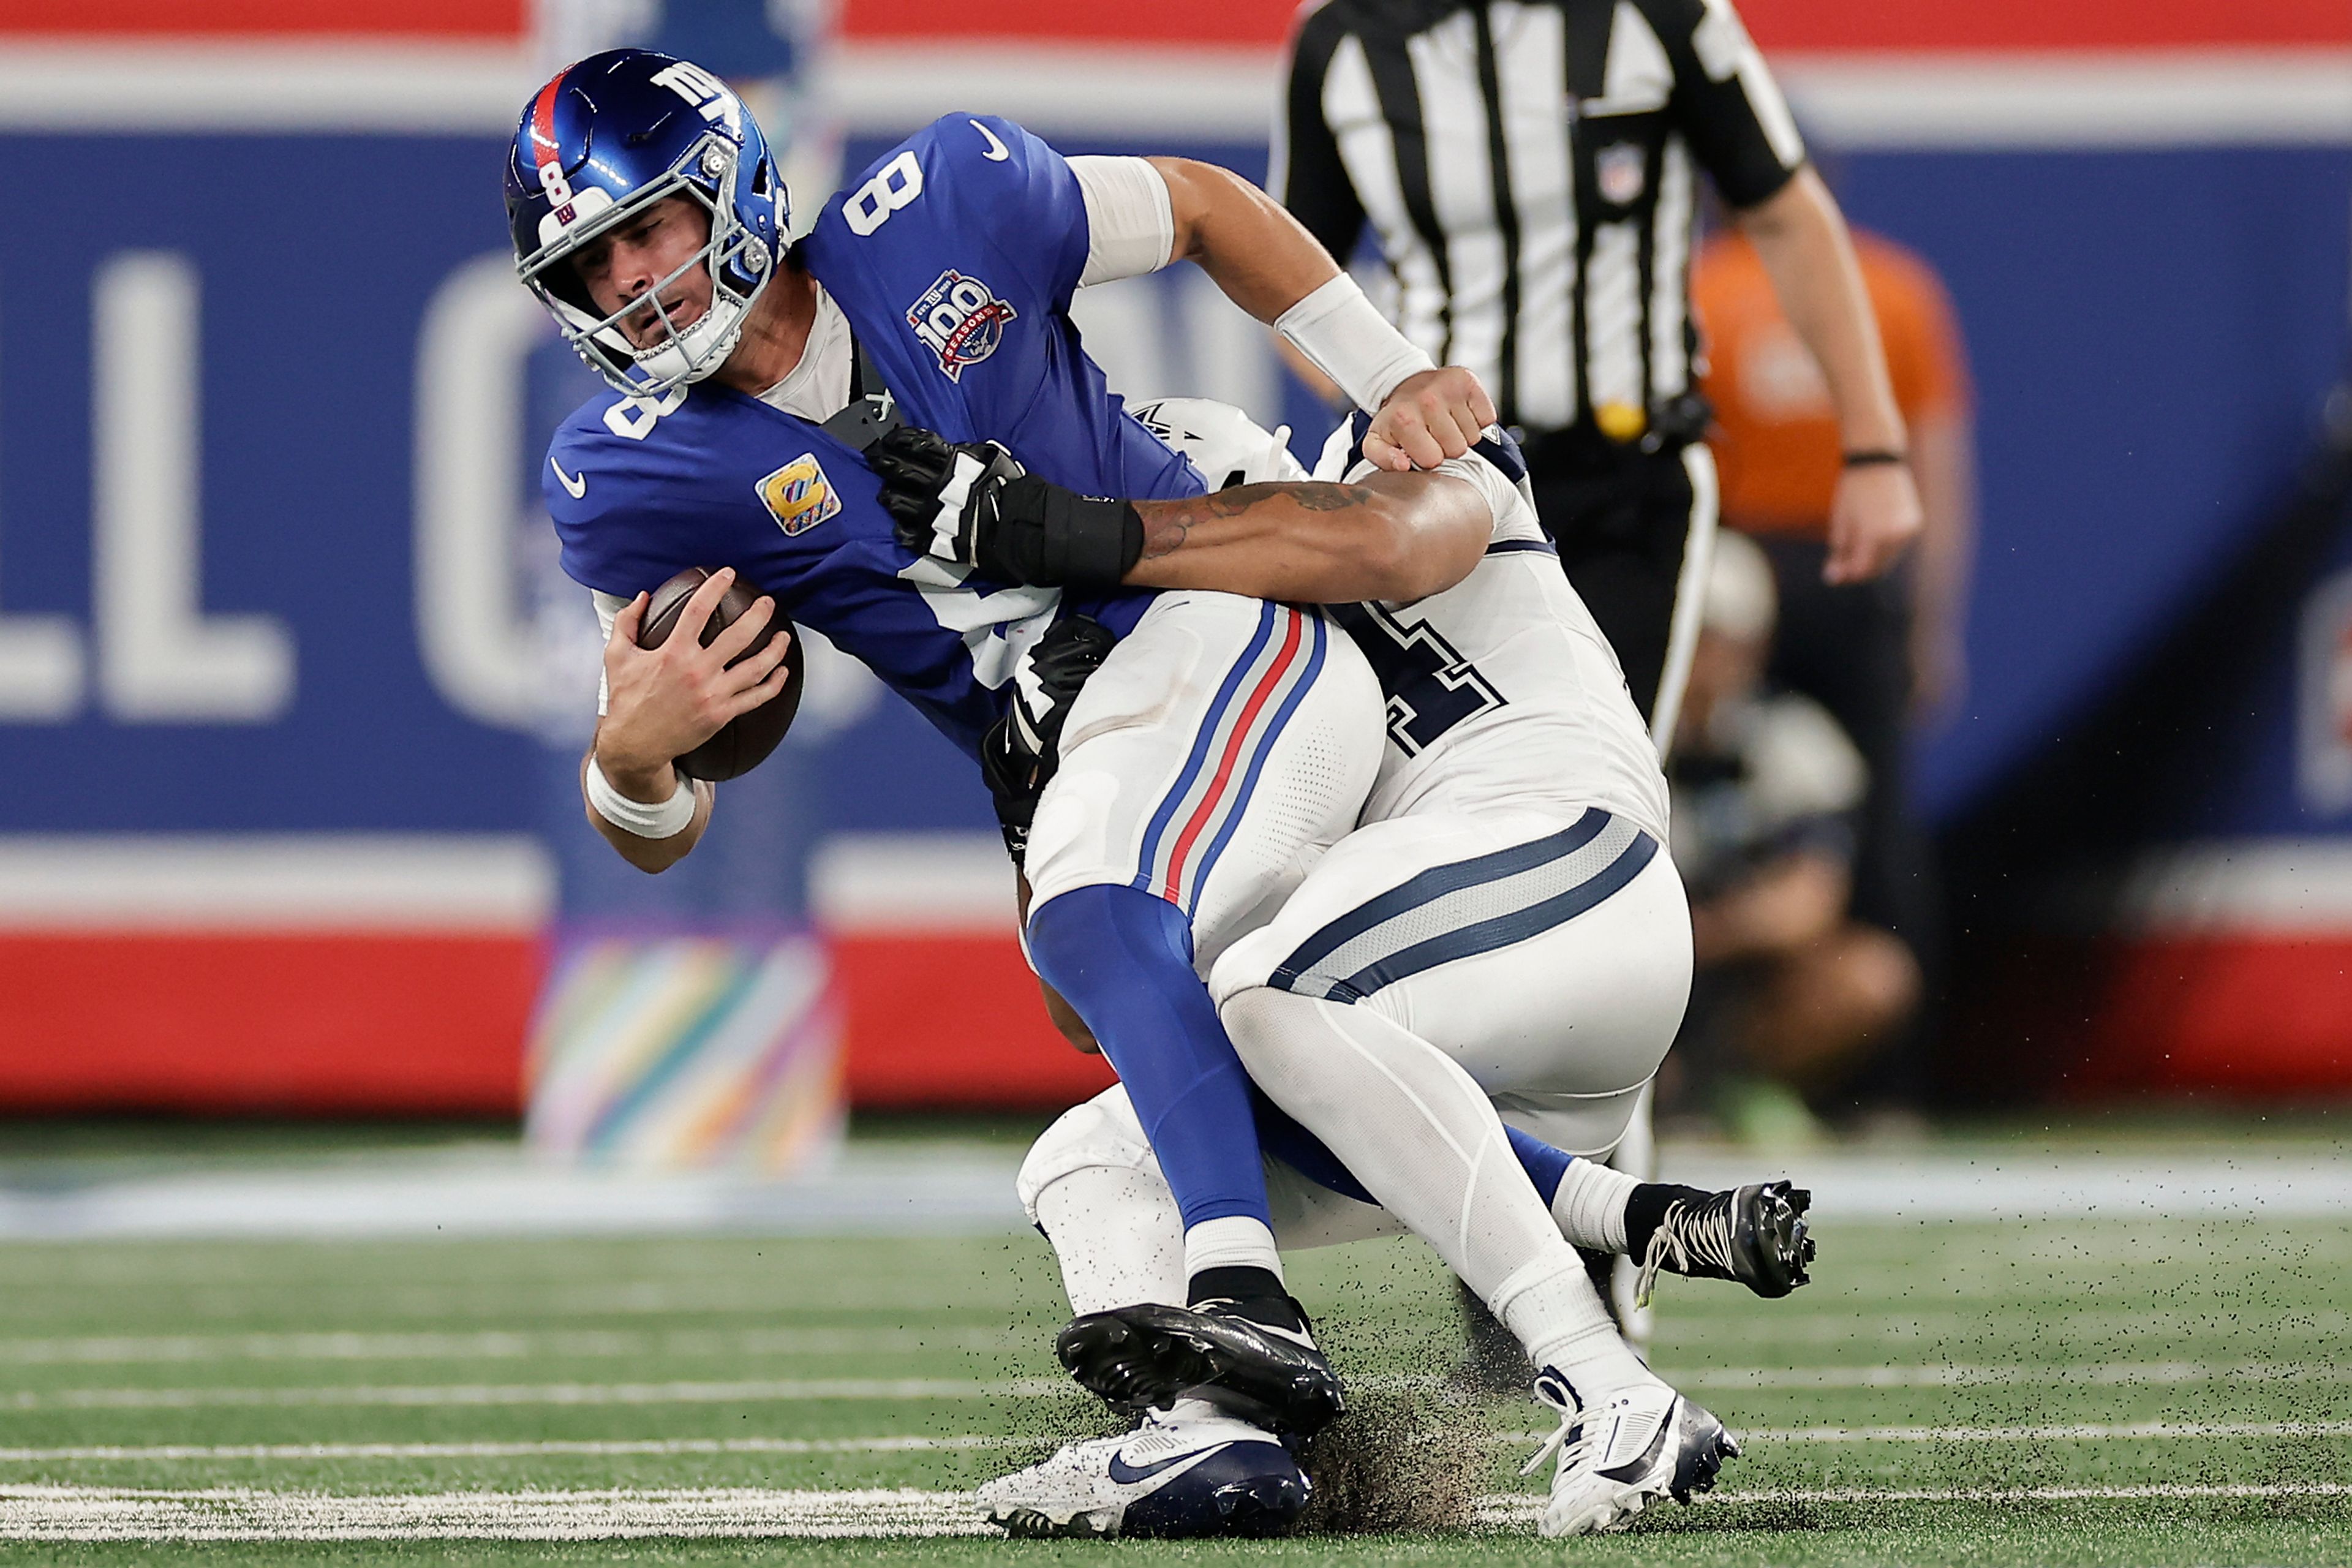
(1502, 932)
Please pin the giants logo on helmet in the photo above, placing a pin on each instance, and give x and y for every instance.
(699, 87)
(960, 319)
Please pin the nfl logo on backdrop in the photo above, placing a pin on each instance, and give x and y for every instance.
(1620, 170)
(798, 495)
(960, 319)
(2323, 697)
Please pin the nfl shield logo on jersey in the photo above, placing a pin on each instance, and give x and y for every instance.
(1620, 170)
(799, 496)
(960, 319)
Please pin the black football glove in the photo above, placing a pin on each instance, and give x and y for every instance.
(972, 504)
(1021, 751)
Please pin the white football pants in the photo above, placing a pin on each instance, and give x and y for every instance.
(1428, 970)
(1224, 744)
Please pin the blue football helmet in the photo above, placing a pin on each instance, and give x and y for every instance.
(603, 141)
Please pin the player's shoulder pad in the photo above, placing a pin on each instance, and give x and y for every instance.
(1343, 453)
(614, 452)
(1343, 450)
(700, 469)
(961, 158)
(1499, 469)
(1000, 173)
(961, 139)
(1497, 447)
(962, 184)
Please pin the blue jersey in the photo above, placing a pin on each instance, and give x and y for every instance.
(954, 260)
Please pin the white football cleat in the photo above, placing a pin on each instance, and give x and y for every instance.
(1188, 1471)
(1637, 1445)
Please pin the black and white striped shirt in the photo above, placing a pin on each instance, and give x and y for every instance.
(1527, 168)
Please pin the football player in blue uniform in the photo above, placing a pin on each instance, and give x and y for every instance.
(1220, 745)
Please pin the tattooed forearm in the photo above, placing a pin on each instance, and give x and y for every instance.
(1323, 497)
(1165, 529)
(1167, 525)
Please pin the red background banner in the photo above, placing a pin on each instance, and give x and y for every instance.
(1806, 25)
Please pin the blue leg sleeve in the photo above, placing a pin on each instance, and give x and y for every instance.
(1303, 1152)
(1124, 960)
(1311, 1158)
(1545, 1165)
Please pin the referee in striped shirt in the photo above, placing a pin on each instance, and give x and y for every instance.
(1528, 169)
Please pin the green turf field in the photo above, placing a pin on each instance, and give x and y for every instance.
(1948, 1392)
(2078, 1391)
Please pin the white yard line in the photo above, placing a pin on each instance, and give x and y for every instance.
(517, 1345)
(623, 1448)
(764, 1391)
(755, 1391)
(2010, 1375)
(2084, 1431)
(490, 1344)
(549, 1449)
(1505, 1508)
(875, 1190)
(1973, 1328)
(491, 1191)
(237, 1513)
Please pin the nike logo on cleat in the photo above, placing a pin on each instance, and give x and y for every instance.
(1631, 1471)
(1126, 1474)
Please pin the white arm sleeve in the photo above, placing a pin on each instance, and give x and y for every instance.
(1130, 218)
(608, 609)
(1515, 516)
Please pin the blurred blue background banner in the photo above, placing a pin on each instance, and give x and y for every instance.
(2153, 334)
(295, 575)
(217, 489)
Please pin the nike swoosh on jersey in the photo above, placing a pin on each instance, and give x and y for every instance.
(574, 488)
(997, 151)
(1126, 1474)
(1632, 1469)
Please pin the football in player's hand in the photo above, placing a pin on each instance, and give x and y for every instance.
(744, 741)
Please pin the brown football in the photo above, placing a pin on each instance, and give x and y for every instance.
(744, 741)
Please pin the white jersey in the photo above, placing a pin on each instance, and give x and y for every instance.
(1501, 690)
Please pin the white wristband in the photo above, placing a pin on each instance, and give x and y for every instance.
(1349, 340)
(664, 819)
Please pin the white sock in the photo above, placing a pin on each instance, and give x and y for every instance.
(1236, 1241)
(1559, 1316)
(1590, 1205)
(1422, 1136)
(1115, 1230)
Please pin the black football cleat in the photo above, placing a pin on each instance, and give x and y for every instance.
(1145, 1356)
(1754, 1235)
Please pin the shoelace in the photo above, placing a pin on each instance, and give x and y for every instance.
(1709, 1241)
(1551, 1390)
